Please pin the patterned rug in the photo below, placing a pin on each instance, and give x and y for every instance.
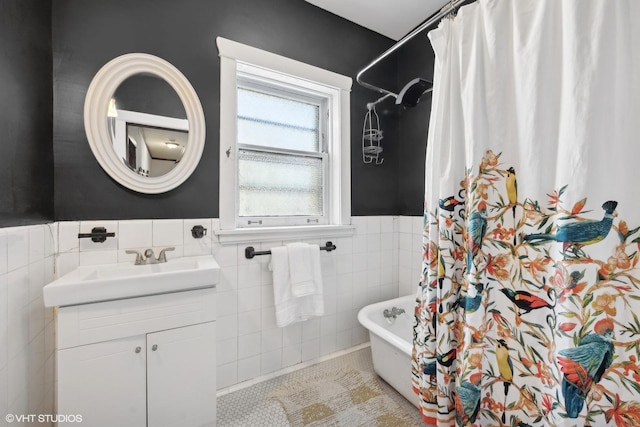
(346, 398)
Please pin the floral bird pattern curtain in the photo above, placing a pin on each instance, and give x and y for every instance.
(528, 310)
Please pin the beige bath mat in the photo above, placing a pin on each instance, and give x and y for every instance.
(346, 398)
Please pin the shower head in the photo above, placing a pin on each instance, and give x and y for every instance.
(410, 94)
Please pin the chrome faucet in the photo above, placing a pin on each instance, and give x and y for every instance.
(393, 313)
(149, 257)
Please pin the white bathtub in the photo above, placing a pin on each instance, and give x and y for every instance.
(392, 343)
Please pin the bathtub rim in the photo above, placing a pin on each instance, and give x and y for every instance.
(380, 331)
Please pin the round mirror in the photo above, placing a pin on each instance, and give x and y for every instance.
(144, 123)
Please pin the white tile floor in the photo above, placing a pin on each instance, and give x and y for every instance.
(250, 407)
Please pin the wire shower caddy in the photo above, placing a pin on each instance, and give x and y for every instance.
(371, 136)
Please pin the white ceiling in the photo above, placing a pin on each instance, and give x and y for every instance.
(391, 18)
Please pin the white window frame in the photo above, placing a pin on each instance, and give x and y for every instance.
(236, 60)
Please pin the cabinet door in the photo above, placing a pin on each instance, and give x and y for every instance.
(181, 376)
(104, 383)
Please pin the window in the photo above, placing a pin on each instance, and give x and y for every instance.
(281, 156)
(284, 146)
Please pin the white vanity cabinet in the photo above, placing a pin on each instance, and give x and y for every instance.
(147, 361)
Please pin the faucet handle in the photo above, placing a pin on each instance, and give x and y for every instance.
(163, 257)
(138, 255)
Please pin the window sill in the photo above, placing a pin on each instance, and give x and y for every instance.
(263, 234)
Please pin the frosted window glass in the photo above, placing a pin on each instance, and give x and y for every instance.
(279, 184)
(273, 121)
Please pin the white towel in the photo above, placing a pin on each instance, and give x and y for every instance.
(289, 308)
(304, 268)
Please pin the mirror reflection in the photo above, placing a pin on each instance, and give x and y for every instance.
(147, 125)
(160, 149)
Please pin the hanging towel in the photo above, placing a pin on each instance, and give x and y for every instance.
(289, 308)
(304, 268)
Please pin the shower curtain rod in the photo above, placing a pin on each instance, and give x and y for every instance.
(450, 7)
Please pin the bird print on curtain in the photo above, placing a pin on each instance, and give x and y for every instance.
(529, 328)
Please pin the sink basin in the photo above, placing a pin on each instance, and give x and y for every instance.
(94, 283)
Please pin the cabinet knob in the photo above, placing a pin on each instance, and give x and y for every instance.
(138, 349)
(154, 347)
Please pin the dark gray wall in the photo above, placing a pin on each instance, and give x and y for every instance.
(26, 175)
(405, 128)
(415, 59)
(374, 187)
(89, 33)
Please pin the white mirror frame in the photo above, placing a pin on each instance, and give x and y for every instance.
(96, 105)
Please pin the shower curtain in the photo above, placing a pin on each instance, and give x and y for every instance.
(528, 309)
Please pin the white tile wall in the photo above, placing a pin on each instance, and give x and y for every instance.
(26, 327)
(410, 253)
(136, 234)
(364, 269)
(381, 261)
